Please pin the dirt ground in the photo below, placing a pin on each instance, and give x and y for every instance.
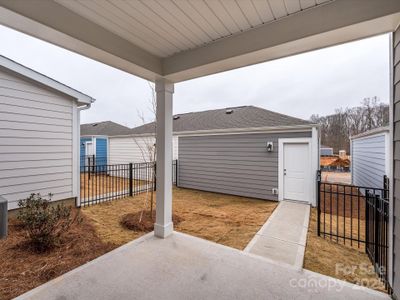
(342, 200)
(343, 227)
(225, 219)
(337, 260)
(336, 177)
(23, 269)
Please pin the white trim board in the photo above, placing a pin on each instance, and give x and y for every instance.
(249, 130)
(310, 177)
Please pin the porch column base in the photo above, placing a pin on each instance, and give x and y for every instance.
(162, 231)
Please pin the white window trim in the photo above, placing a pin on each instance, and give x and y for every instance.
(312, 151)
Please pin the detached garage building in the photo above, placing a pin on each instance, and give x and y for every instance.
(370, 159)
(246, 151)
(39, 135)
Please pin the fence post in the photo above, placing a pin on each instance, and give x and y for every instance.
(89, 170)
(155, 176)
(367, 219)
(376, 230)
(3, 217)
(385, 187)
(176, 173)
(130, 179)
(319, 202)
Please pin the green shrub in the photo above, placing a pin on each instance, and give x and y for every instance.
(43, 222)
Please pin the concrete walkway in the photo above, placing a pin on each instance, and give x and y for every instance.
(283, 237)
(185, 267)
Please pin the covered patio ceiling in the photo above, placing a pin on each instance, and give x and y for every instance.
(184, 39)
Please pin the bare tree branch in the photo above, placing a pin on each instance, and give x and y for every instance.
(336, 129)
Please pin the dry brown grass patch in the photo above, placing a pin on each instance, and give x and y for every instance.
(325, 256)
(225, 219)
(99, 184)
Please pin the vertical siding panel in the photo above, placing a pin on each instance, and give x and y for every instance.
(101, 151)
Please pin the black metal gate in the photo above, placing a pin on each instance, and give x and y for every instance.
(377, 225)
(358, 216)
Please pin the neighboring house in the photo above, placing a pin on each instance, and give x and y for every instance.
(370, 159)
(326, 151)
(137, 145)
(39, 134)
(246, 151)
(94, 141)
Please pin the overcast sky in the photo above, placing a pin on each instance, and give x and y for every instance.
(312, 83)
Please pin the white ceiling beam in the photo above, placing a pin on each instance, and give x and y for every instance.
(52, 22)
(336, 22)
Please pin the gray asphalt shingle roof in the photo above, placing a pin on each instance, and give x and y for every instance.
(107, 128)
(241, 117)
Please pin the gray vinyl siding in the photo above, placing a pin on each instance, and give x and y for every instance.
(396, 163)
(368, 160)
(235, 164)
(35, 140)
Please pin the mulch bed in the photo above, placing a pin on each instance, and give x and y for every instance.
(142, 221)
(23, 269)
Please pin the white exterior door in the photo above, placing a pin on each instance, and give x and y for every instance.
(296, 170)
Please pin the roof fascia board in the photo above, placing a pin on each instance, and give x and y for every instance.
(44, 80)
(94, 135)
(373, 132)
(275, 129)
(54, 23)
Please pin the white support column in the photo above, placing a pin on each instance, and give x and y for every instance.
(163, 226)
(315, 157)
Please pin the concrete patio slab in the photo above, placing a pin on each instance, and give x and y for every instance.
(185, 267)
(283, 237)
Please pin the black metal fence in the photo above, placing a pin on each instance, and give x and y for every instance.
(101, 183)
(87, 161)
(358, 216)
(92, 160)
(377, 225)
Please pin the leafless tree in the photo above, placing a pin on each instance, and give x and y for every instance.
(336, 129)
(147, 146)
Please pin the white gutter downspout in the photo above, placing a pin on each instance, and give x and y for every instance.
(78, 142)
